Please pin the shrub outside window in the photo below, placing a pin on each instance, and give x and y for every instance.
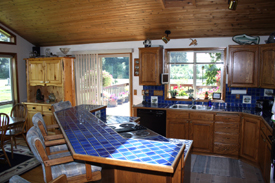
(195, 73)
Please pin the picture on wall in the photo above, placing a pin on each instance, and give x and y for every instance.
(246, 99)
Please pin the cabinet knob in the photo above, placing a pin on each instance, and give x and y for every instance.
(43, 115)
(34, 108)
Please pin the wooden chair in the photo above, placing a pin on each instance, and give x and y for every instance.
(19, 111)
(57, 164)
(4, 123)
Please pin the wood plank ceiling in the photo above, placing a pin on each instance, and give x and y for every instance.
(63, 22)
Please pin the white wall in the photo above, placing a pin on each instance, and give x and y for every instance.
(174, 43)
(22, 48)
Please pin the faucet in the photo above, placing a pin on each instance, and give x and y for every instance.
(193, 102)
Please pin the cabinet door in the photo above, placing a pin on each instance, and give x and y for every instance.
(243, 68)
(261, 154)
(201, 132)
(250, 138)
(150, 66)
(29, 122)
(267, 60)
(36, 73)
(53, 73)
(177, 128)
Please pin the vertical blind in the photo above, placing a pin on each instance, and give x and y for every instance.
(88, 72)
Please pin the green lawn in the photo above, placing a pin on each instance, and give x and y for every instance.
(6, 109)
(5, 94)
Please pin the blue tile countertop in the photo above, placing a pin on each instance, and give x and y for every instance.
(90, 139)
(109, 119)
(227, 109)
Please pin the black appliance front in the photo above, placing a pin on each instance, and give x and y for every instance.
(155, 120)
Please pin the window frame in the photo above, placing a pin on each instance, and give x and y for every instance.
(166, 70)
(8, 34)
(14, 78)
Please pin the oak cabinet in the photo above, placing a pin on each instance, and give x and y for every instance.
(226, 134)
(243, 66)
(177, 124)
(267, 62)
(43, 73)
(264, 155)
(250, 138)
(151, 63)
(201, 132)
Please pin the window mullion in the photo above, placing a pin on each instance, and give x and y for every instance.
(194, 76)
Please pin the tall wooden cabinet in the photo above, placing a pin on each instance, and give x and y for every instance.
(151, 65)
(243, 66)
(50, 75)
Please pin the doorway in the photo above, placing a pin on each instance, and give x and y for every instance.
(116, 84)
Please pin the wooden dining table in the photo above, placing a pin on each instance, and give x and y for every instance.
(15, 120)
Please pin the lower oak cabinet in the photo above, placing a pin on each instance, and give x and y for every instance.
(250, 138)
(201, 132)
(177, 124)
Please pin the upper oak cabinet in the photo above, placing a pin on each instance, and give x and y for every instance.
(243, 66)
(267, 62)
(45, 72)
(150, 68)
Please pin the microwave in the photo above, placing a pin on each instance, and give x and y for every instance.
(165, 78)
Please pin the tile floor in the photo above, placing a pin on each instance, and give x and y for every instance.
(252, 175)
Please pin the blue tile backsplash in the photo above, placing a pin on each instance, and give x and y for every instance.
(230, 99)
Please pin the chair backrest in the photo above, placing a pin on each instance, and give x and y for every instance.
(4, 123)
(39, 122)
(20, 111)
(34, 141)
(62, 105)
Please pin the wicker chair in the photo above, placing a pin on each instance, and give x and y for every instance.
(58, 164)
(4, 123)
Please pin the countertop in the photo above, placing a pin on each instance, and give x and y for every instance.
(110, 119)
(227, 109)
(90, 139)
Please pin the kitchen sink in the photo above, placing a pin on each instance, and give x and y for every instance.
(180, 106)
(188, 106)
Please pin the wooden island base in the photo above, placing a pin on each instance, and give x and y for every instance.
(126, 175)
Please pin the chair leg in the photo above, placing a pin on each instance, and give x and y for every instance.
(26, 141)
(3, 149)
(11, 148)
(14, 142)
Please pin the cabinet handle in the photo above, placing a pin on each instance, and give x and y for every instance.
(34, 108)
(43, 115)
(50, 109)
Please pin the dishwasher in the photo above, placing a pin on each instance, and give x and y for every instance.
(155, 120)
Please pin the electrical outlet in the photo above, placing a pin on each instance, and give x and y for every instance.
(238, 96)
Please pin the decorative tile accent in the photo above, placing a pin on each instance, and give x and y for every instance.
(88, 135)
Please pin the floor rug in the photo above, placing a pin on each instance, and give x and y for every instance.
(217, 166)
(22, 162)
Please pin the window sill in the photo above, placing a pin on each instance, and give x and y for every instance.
(190, 100)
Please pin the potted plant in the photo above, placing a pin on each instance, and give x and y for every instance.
(206, 95)
(173, 93)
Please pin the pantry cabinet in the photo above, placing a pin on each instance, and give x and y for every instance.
(151, 65)
(250, 138)
(267, 63)
(49, 75)
(243, 66)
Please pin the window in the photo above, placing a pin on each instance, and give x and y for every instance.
(195, 73)
(7, 37)
(8, 82)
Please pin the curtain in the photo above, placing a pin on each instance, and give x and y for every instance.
(88, 71)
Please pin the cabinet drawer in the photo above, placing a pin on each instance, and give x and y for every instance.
(227, 127)
(202, 116)
(227, 117)
(226, 149)
(226, 138)
(177, 114)
(37, 108)
(47, 108)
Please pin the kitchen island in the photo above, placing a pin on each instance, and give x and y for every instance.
(123, 160)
